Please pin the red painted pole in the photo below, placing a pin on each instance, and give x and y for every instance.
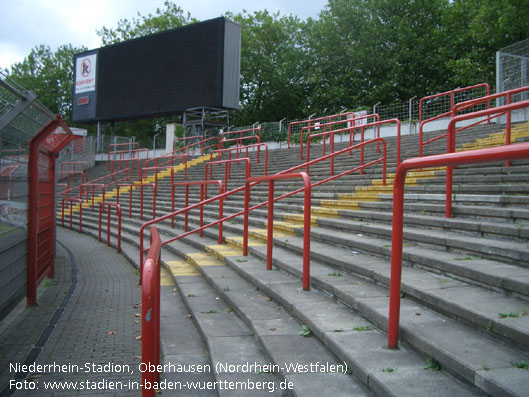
(306, 231)
(245, 222)
(270, 236)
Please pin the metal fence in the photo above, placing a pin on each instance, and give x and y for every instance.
(21, 117)
(512, 68)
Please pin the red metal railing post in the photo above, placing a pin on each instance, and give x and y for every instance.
(150, 324)
(270, 236)
(245, 226)
(511, 152)
(508, 128)
(306, 231)
(396, 258)
(99, 223)
(201, 221)
(221, 211)
(186, 205)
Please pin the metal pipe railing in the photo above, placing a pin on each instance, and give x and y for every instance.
(512, 152)
(203, 196)
(351, 128)
(118, 213)
(227, 165)
(241, 188)
(310, 121)
(93, 186)
(444, 114)
(150, 315)
(451, 141)
(70, 199)
(270, 220)
(122, 152)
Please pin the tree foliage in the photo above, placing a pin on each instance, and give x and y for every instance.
(50, 75)
(272, 53)
(357, 52)
(172, 16)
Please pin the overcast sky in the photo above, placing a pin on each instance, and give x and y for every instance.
(25, 24)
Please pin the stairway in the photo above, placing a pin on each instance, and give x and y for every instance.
(465, 283)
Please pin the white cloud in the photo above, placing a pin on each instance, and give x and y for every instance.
(25, 24)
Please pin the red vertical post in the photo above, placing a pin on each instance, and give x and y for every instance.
(270, 226)
(508, 128)
(108, 225)
(201, 222)
(306, 231)
(245, 222)
(396, 258)
(186, 205)
(118, 210)
(141, 201)
(221, 212)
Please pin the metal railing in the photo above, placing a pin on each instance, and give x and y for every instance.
(270, 226)
(512, 152)
(70, 200)
(310, 122)
(227, 169)
(451, 140)
(256, 133)
(118, 213)
(507, 95)
(448, 113)
(203, 195)
(150, 315)
(241, 188)
(351, 128)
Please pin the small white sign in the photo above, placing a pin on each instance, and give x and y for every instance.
(85, 73)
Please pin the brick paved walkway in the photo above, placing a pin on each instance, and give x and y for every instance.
(95, 336)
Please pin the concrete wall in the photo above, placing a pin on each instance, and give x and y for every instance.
(13, 268)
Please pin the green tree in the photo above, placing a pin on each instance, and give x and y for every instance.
(477, 29)
(272, 79)
(50, 75)
(365, 51)
(172, 16)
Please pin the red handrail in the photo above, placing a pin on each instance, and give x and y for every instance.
(93, 186)
(201, 142)
(118, 213)
(141, 185)
(239, 148)
(351, 128)
(375, 123)
(239, 189)
(451, 141)
(129, 185)
(122, 152)
(309, 121)
(156, 169)
(238, 140)
(512, 152)
(80, 187)
(203, 195)
(76, 199)
(227, 165)
(270, 221)
(75, 163)
(445, 114)
(150, 316)
(473, 102)
(170, 157)
(240, 132)
(127, 164)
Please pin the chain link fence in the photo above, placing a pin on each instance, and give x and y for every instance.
(512, 69)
